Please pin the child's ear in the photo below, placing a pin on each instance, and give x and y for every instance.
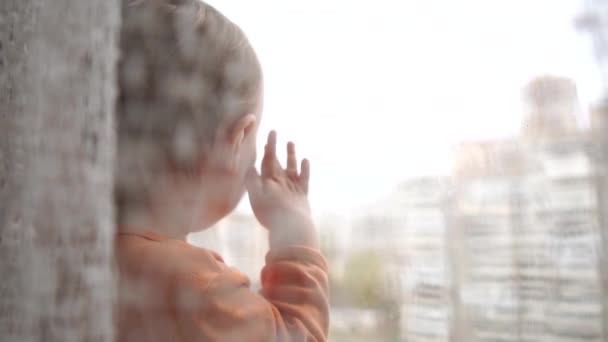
(241, 130)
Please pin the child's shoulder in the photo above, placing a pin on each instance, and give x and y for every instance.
(151, 253)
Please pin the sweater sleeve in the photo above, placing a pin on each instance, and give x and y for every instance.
(293, 304)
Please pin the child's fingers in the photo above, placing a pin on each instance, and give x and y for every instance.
(292, 162)
(305, 174)
(269, 162)
(272, 143)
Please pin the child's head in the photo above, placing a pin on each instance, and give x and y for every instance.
(188, 110)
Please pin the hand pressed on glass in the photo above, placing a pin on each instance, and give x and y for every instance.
(279, 197)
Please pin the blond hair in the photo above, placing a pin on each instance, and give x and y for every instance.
(184, 70)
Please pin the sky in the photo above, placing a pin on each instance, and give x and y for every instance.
(375, 92)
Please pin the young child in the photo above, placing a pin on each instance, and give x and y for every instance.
(188, 112)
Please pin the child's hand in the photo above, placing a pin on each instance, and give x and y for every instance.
(279, 198)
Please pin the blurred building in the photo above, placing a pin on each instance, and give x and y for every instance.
(408, 228)
(481, 222)
(594, 20)
(551, 105)
(425, 283)
(507, 248)
(525, 213)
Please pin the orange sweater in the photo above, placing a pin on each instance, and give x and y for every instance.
(170, 291)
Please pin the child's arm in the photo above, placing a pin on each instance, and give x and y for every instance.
(295, 277)
(293, 304)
